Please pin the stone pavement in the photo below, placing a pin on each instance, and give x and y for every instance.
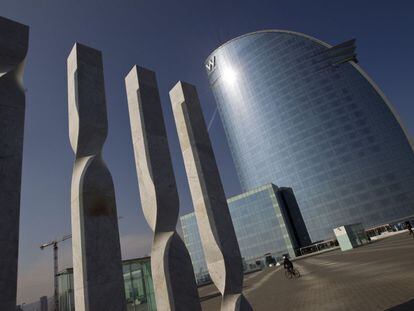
(378, 276)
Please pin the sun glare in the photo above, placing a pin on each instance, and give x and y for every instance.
(229, 75)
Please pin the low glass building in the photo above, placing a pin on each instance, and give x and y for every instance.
(266, 220)
(139, 290)
(65, 283)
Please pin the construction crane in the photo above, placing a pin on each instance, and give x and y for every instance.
(55, 265)
(55, 243)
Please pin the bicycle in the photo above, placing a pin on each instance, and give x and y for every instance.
(292, 273)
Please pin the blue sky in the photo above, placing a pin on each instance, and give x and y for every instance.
(173, 38)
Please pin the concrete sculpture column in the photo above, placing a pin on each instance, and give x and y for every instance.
(97, 266)
(14, 38)
(217, 234)
(172, 272)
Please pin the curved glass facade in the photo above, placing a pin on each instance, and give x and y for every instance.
(295, 117)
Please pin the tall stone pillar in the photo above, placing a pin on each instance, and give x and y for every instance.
(172, 272)
(97, 266)
(217, 234)
(14, 40)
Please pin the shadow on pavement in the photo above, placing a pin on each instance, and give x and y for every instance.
(407, 306)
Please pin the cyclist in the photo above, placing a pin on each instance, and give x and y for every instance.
(287, 264)
(409, 227)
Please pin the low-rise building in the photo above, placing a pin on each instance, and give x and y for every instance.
(267, 221)
(139, 290)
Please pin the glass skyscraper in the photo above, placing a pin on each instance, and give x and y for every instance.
(139, 289)
(266, 220)
(301, 113)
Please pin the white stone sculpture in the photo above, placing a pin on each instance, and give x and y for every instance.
(218, 238)
(172, 272)
(97, 265)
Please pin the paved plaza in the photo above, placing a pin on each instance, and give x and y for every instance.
(378, 276)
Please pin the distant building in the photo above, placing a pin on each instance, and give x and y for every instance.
(266, 220)
(297, 111)
(139, 289)
(43, 303)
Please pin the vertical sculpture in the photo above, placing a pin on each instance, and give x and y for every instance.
(172, 272)
(217, 234)
(14, 39)
(98, 279)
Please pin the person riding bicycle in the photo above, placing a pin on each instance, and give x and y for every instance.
(409, 228)
(287, 264)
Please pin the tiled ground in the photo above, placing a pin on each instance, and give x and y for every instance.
(378, 276)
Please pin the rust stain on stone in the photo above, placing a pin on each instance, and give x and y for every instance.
(101, 207)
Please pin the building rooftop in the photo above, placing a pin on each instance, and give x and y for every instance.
(139, 259)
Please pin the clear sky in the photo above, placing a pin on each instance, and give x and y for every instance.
(173, 38)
